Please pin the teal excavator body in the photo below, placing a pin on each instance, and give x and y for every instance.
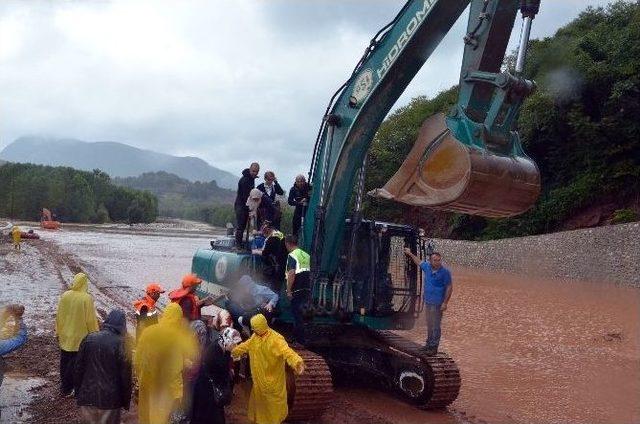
(469, 161)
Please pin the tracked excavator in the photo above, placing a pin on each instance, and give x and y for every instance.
(470, 161)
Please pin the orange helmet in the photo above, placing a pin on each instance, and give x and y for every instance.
(154, 288)
(190, 280)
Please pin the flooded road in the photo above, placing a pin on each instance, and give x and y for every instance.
(529, 350)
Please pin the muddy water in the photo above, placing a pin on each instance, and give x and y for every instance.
(544, 351)
(130, 259)
(530, 351)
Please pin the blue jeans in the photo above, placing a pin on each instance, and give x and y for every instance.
(434, 317)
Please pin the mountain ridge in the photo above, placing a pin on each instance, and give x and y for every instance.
(115, 158)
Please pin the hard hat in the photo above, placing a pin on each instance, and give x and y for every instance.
(154, 288)
(190, 280)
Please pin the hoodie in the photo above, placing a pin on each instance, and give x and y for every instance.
(245, 185)
(76, 315)
(103, 366)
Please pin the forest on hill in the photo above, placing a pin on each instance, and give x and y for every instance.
(73, 195)
(581, 127)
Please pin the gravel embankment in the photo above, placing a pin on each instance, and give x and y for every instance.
(610, 253)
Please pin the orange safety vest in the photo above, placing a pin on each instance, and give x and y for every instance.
(194, 313)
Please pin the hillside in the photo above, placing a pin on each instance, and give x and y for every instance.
(70, 194)
(116, 159)
(177, 195)
(580, 127)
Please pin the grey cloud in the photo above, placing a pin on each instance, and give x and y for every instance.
(229, 81)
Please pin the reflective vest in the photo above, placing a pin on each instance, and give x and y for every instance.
(303, 261)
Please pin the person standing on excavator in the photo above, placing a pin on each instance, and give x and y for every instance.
(298, 274)
(146, 311)
(272, 188)
(299, 198)
(245, 185)
(437, 292)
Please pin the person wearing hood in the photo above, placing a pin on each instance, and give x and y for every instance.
(268, 354)
(245, 185)
(146, 311)
(163, 354)
(261, 208)
(13, 332)
(16, 234)
(76, 317)
(103, 372)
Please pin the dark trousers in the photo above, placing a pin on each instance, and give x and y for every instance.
(67, 368)
(299, 303)
(242, 216)
(434, 317)
(297, 221)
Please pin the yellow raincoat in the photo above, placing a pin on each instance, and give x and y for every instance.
(17, 236)
(268, 353)
(76, 315)
(162, 354)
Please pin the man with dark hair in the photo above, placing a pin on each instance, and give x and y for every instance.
(103, 372)
(245, 185)
(298, 274)
(437, 292)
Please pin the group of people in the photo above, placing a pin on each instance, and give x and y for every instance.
(182, 359)
(255, 205)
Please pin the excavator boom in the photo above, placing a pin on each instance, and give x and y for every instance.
(470, 161)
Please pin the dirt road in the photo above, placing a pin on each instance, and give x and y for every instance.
(529, 350)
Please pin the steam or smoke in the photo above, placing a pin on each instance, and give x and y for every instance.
(564, 84)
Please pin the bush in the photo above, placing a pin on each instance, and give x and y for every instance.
(624, 215)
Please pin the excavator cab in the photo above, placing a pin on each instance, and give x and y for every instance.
(472, 160)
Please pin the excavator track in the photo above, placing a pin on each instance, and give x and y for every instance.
(309, 394)
(442, 381)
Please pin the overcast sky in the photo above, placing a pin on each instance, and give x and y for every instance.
(229, 81)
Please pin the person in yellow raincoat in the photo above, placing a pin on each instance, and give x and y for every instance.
(76, 317)
(268, 353)
(17, 237)
(163, 353)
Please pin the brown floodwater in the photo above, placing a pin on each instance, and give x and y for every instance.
(540, 351)
(530, 350)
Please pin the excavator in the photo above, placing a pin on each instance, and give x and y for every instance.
(470, 161)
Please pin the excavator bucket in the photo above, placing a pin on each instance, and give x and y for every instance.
(443, 173)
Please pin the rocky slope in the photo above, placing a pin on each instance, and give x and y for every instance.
(610, 253)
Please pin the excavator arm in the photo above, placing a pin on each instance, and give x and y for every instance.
(471, 161)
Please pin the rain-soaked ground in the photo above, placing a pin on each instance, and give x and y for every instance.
(529, 350)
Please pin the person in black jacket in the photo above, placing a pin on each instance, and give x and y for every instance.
(299, 197)
(213, 386)
(103, 372)
(272, 188)
(245, 185)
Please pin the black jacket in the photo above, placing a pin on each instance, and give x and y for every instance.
(215, 369)
(297, 195)
(246, 183)
(277, 190)
(103, 366)
(266, 211)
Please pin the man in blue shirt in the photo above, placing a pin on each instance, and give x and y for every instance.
(437, 292)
